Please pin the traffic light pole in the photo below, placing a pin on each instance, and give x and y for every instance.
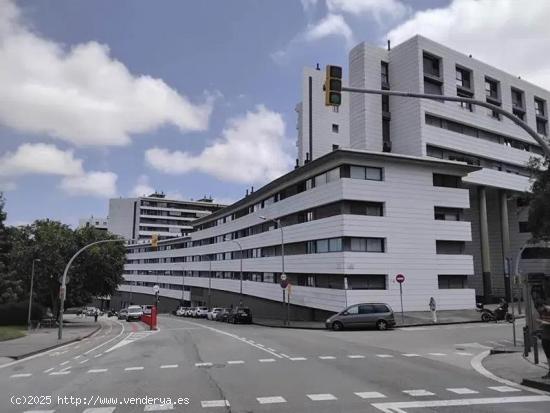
(545, 146)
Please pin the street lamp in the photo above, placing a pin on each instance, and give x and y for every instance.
(30, 294)
(241, 265)
(283, 275)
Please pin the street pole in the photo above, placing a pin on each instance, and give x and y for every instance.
(62, 289)
(30, 294)
(183, 286)
(545, 146)
(526, 298)
(210, 281)
(241, 271)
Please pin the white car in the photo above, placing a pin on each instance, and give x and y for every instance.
(201, 312)
(134, 313)
(213, 313)
(147, 309)
(180, 312)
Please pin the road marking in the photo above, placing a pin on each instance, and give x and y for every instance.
(203, 364)
(394, 407)
(463, 390)
(77, 357)
(65, 368)
(65, 362)
(321, 397)
(418, 393)
(60, 373)
(261, 345)
(108, 341)
(384, 356)
(327, 357)
(251, 341)
(269, 400)
(370, 395)
(83, 361)
(97, 371)
(130, 338)
(75, 347)
(463, 353)
(47, 371)
(437, 354)
(133, 368)
(170, 366)
(100, 410)
(356, 356)
(266, 360)
(98, 355)
(297, 358)
(410, 355)
(271, 349)
(214, 403)
(235, 362)
(504, 389)
(39, 411)
(158, 407)
(14, 376)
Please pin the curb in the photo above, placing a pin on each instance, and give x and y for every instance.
(396, 326)
(536, 384)
(32, 353)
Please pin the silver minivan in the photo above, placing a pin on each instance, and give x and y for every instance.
(377, 315)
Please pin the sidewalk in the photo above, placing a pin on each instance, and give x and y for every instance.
(516, 368)
(410, 318)
(43, 339)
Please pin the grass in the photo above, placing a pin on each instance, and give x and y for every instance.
(11, 332)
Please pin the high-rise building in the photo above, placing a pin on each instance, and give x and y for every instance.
(96, 222)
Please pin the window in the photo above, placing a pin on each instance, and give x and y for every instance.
(517, 99)
(366, 309)
(353, 310)
(333, 175)
(374, 174)
(463, 77)
(449, 247)
(446, 282)
(357, 172)
(447, 214)
(432, 88)
(524, 226)
(384, 72)
(367, 282)
(375, 209)
(335, 244)
(375, 244)
(385, 103)
(320, 179)
(322, 246)
(431, 65)
(386, 131)
(381, 308)
(464, 105)
(491, 89)
(536, 253)
(540, 107)
(370, 173)
(335, 128)
(448, 181)
(541, 126)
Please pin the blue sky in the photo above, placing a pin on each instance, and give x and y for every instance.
(114, 98)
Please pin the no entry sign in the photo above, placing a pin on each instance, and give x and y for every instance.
(400, 278)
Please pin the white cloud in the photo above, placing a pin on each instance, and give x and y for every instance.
(142, 187)
(489, 31)
(379, 9)
(330, 25)
(93, 183)
(39, 158)
(308, 4)
(6, 186)
(250, 150)
(82, 94)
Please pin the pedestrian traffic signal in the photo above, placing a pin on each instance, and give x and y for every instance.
(333, 86)
(154, 240)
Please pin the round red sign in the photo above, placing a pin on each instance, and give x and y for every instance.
(399, 278)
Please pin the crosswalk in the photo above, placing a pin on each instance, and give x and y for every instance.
(369, 396)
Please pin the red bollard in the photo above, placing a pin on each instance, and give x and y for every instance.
(154, 318)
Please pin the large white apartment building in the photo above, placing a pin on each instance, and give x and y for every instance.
(430, 189)
(140, 218)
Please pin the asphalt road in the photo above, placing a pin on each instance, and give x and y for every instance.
(202, 366)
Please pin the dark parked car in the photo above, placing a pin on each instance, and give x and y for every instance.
(240, 315)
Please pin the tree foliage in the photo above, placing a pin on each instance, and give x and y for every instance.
(10, 287)
(539, 201)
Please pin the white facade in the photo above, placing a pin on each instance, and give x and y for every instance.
(333, 210)
(140, 218)
(96, 222)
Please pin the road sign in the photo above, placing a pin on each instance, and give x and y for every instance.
(156, 288)
(67, 279)
(62, 293)
(400, 278)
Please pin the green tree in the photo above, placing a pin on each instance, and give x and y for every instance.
(10, 287)
(539, 201)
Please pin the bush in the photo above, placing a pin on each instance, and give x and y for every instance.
(13, 314)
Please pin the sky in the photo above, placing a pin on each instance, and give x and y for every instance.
(103, 99)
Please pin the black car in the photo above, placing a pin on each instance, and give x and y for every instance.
(240, 315)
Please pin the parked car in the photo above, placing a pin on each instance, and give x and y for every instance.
(213, 313)
(180, 312)
(134, 313)
(147, 309)
(223, 314)
(190, 312)
(240, 315)
(111, 313)
(122, 314)
(201, 312)
(377, 315)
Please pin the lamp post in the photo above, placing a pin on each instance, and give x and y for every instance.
(280, 226)
(30, 294)
(241, 265)
(210, 281)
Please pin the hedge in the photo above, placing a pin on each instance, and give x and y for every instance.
(13, 314)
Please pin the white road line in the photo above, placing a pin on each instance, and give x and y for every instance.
(158, 407)
(235, 362)
(251, 341)
(83, 361)
(133, 368)
(271, 349)
(503, 389)
(98, 355)
(321, 397)
(108, 341)
(463, 353)
(261, 345)
(384, 356)
(266, 360)
(463, 390)
(203, 364)
(437, 354)
(65, 362)
(77, 357)
(370, 395)
(269, 400)
(14, 376)
(214, 403)
(48, 370)
(39, 411)
(410, 355)
(419, 392)
(169, 366)
(297, 358)
(393, 407)
(65, 368)
(356, 356)
(100, 410)
(327, 357)
(284, 355)
(97, 371)
(60, 373)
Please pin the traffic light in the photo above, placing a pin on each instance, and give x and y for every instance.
(154, 240)
(333, 86)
